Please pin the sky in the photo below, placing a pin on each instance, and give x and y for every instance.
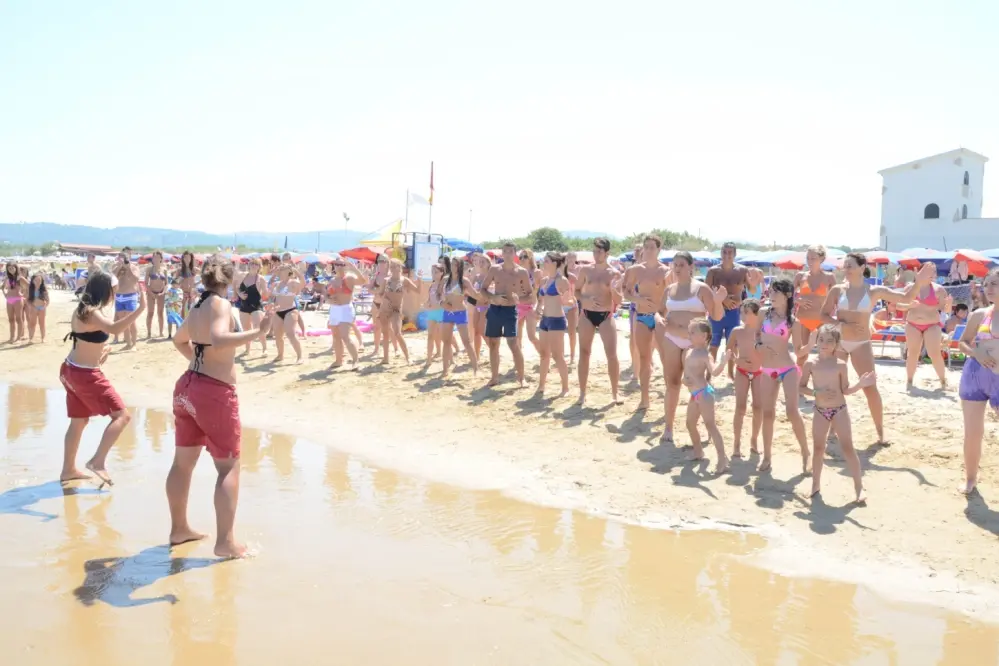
(764, 122)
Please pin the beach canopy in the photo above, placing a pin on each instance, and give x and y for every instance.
(978, 262)
(464, 246)
(880, 257)
(384, 236)
(363, 253)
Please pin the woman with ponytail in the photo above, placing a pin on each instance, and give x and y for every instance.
(88, 391)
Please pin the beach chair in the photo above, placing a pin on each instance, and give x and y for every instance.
(952, 344)
(363, 302)
(890, 330)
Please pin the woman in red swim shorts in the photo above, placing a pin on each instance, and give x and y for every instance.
(88, 391)
(205, 407)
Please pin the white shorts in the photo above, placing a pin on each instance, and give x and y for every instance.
(341, 314)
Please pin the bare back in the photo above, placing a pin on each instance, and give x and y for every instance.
(211, 310)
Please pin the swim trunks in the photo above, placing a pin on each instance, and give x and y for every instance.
(126, 302)
(459, 317)
(501, 321)
(88, 392)
(206, 413)
(724, 326)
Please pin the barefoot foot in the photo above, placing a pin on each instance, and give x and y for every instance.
(188, 535)
(101, 473)
(230, 551)
(73, 475)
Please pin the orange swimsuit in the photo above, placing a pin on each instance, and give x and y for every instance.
(806, 290)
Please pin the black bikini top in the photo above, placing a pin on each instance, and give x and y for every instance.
(96, 337)
(199, 347)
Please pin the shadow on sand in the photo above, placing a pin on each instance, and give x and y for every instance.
(18, 500)
(113, 580)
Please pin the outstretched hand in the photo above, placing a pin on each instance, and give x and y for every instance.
(720, 294)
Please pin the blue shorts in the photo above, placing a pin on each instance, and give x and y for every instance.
(174, 318)
(554, 324)
(501, 321)
(437, 315)
(459, 317)
(126, 302)
(724, 327)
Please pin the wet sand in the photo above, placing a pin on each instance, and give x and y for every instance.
(918, 540)
(356, 564)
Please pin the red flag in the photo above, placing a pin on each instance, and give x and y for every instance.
(431, 199)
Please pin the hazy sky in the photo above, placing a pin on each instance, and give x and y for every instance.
(763, 121)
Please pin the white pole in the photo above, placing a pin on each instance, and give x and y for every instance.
(469, 225)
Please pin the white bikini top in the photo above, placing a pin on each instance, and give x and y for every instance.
(864, 305)
(692, 304)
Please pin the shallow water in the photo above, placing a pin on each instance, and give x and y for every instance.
(362, 565)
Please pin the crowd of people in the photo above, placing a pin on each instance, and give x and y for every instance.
(793, 336)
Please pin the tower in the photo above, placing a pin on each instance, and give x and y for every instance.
(934, 202)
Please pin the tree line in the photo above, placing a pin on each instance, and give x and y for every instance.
(549, 239)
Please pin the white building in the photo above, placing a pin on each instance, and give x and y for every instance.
(936, 202)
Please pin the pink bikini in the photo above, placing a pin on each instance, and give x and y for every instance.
(783, 331)
(930, 300)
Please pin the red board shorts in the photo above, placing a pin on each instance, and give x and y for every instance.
(88, 392)
(206, 413)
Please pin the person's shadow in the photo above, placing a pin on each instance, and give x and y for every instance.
(979, 513)
(825, 519)
(19, 500)
(114, 580)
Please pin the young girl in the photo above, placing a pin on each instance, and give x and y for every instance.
(698, 369)
(13, 289)
(748, 376)
(173, 302)
(88, 391)
(830, 388)
(779, 370)
(392, 293)
(38, 302)
(554, 323)
(979, 386)
(527, 316)
(435, 313)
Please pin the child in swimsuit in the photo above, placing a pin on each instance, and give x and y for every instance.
(698, 369)
(830, 386)
(742, 342)
(173, 303)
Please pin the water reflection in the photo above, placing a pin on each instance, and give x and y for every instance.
(26, 410)
(434, 568)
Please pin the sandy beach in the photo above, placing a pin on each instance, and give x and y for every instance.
(917, 539)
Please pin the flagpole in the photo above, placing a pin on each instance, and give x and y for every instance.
(430, 220)
(405, 224)
(469, 225)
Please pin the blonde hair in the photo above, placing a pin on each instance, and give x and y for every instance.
(819, 250)
(701, 325)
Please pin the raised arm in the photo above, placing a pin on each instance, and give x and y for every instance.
(867, 379)
(118, 327)
(222, 337)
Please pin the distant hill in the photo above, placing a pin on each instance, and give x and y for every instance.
(589, 234)
(38, 233)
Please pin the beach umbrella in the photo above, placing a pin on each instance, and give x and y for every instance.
(915, 256)
(363, 253)
(312, 258)
(978, 263)
(464, 246)
(879, 257)
(992, 254)
(796, 261)
(762, 259)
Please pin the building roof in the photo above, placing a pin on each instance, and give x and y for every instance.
(950, 154)
(98, 249)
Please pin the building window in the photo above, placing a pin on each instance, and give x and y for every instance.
(964, 212)
(931, 212)
(967, 178)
